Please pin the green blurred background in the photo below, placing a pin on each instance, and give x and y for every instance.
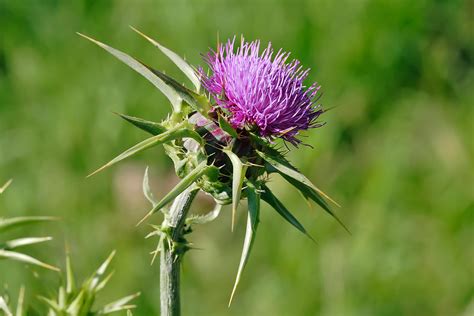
(397, 153)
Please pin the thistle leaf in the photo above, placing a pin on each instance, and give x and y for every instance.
(51, 303)
(226, 127)
(148, 126)
(206, 218)
(21, 299)
(20, 242)
(253, 198)
(238, 176)
(197, 101)
(118, 305)
(147, 190)
(70, 280)
(151, 142)
(75, 306)
(272, 200)
(187, 181)
(94, 280)
(5, 186)
(176, 59)
(6, 254)
(172, 96)
(285, 168)
(4, 307)
(309, 193)
(104, 282)
(9, 223)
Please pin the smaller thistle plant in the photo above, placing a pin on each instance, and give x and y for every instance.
(71, 300)
(222, 138)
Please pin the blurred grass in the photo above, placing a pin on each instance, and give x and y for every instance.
(397, 152)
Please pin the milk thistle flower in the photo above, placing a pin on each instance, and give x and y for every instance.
(221, 136)
(261, 91)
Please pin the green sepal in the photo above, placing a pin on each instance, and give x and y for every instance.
(273, 201)
(282, 165)
(197, 101)
(148, 126)
(238, 175)
(143, 70)
(276, 162)
(226, 127)
(176, 59)
(179, 132)
(186, 182)
(311, 194)
(253, 218)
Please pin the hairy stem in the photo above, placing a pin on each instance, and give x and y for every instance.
(171, 255)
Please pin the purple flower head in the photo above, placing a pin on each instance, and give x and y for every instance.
(261, 92)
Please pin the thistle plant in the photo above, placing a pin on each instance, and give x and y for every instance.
(71, 300)
(226, 135)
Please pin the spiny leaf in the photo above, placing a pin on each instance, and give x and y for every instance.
(148, 126)
(226, 127)
(4, 307)
(95, 278)
(272, 200)
(104, 282)
(189, 179)
(176, 59)
(309, 193)
(197, 101)
(119, 305)
(253, 198)
(151, 142)
(21, 299)
(142, 70)
(238, 176)
(70, 280)
(51, 303)
(5, 186)
(206, 218)
(147, 190)
(9, 223)
(6, 254)
(20, 242)
(285, 168)
(75, 306)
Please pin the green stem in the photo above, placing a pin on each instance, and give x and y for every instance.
(171, 255)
